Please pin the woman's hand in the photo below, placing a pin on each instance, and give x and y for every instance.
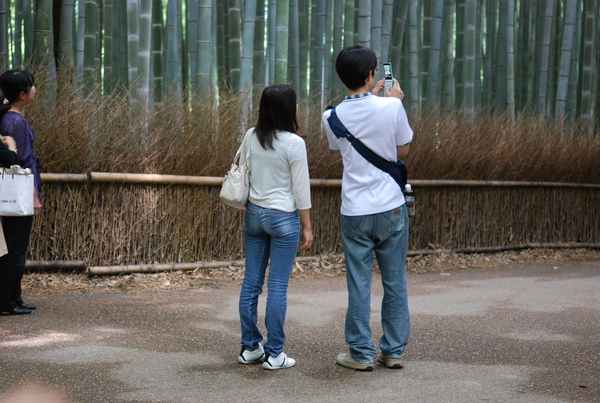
(37, 205)
(307, 235)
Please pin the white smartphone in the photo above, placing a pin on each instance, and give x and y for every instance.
(387, 75)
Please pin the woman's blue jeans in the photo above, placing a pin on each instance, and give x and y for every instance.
(268, 234)
(386, 235)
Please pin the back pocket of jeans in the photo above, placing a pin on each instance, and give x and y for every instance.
(352, 226)
(250, 221)
(395, 220)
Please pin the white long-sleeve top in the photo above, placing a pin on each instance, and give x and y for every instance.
(279, 178)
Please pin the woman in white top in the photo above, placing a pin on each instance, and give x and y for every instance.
(278, 207)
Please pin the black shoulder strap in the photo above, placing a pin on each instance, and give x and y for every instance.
(396, 169)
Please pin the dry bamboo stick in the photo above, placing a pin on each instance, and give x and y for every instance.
(217, 181)
(155, 179)
(151, 268)
(50, 177)
(56, 264)
(529, 245)
(476, 183)
(323, 183)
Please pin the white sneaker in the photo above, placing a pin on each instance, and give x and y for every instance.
(251, 356)
(279, 362)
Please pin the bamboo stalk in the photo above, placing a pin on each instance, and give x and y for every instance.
(56, 264)
(152, 268)
(217, 181)
(155, 179)
(50, 177)
(476, 183)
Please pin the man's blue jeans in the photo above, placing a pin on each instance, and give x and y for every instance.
(274, 234)
(386, 234)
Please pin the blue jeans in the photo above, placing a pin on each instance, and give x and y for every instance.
(268, 234)
(386, 234)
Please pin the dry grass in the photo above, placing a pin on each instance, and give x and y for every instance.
(112, 224)
(116, 135)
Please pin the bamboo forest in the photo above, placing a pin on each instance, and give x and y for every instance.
(507, 56)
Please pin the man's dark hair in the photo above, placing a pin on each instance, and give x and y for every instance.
(277, 111)
(354, 64)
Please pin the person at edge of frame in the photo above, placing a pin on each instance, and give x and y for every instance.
(17, 90)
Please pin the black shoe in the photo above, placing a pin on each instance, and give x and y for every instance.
(17, 310)
(26, 306)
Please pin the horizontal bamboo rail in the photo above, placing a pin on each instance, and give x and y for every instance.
(217, 181)
(152, 268)
(456, 216)
(56, 264)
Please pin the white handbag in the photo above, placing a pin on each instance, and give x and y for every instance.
(16, 191)
(236, 185)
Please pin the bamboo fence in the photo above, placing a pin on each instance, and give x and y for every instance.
(170, 221)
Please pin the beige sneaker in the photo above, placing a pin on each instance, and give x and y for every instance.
(390, 362)
(346, 360)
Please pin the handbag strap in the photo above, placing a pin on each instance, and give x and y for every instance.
(245, 149)
(340, 131)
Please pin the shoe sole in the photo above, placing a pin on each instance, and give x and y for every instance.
(272, 368)
(393, 366)
(359, 367)
(257, 361)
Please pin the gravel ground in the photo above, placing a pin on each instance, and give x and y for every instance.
(53, 283)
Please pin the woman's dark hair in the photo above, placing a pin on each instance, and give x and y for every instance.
(277, 111)
(354, 64)
(12, 83)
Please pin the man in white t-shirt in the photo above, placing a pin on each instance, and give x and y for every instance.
(374, 217)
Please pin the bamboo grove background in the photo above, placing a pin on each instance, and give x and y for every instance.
(507, 55)
(500, 90)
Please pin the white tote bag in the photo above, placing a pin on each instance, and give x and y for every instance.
(16, 191)
(236, 185)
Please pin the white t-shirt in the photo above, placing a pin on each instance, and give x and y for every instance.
(279, 178)
(382, 125)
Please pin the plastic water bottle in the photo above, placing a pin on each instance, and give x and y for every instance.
(409, 197)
